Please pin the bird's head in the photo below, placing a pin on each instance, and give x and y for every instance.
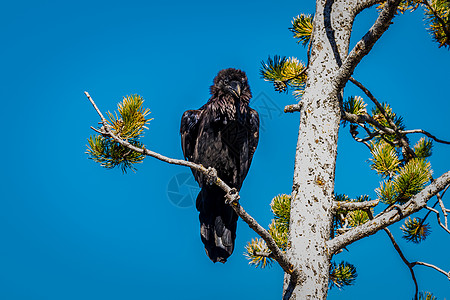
(232, 82)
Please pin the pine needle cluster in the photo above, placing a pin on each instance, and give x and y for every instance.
(408, 180)
(284, 73)
(426, 296)
(128, 124)
(302, 27)
(437, 13)
(415, 230)
(342, 274)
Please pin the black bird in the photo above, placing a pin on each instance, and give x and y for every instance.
(222, 134)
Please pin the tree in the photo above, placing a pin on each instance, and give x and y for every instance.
(312, 225)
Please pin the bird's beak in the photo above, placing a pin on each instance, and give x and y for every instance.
(235, 87)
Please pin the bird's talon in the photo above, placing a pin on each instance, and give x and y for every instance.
(211, 177)
(232, 197)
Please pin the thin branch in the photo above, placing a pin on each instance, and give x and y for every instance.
(415, 204)
(432, 266)
(293, 107)
(426, 133)
(365, 118)
(278, 255)
(349, 205)
(438, 218)
(363, 47)
(391, 123)
(410, 266)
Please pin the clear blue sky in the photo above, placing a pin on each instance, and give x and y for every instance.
(70, 229)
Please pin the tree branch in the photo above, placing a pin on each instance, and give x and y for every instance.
(383, 220)
(365, 118)
(363, 47)
(278, 255)
(438, 218)
(348, 205)
(431, 266)
(363, 4)
(426, 133)
(391, 123)
(410, 266)
(293, 107)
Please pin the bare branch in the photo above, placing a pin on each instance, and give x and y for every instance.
(438, 218)
(383, 220)
(426, 133)
(399, 251)
(278, 255)
(363, 47)
(348, 205)
(365, 118)
(432, 266)
(293, 107)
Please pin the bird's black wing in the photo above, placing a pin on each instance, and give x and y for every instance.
(246, 156)
(254, 133)
(189, 132)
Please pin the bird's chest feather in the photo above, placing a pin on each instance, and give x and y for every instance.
(224, 134)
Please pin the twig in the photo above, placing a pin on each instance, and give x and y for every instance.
(438, 218)
(348, 205)
(278, 255)
(293, 107)
(426, 133)
(410, 266)
(432, 266)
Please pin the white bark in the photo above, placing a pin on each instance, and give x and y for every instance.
(313, 187)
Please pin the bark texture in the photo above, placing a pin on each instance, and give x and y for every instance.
(313, 186)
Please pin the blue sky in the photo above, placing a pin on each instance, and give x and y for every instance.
(70, 229)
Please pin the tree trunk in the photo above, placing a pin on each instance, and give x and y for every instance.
(315, 161)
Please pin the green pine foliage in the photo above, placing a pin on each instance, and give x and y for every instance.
(128, 124)
(385, 160)
(377, 115)
(111, 154)
(355, 105)
(426, 296)
(415, 230)
(408, 181)
(302, 26)
(255, 247)
(131, 120)
(284, 73)
(348, 219)
(437, 13)
(423, 148)
(342, 274)
(281, 208)
(411, 179)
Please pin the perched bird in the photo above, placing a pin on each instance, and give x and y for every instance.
(222, 134)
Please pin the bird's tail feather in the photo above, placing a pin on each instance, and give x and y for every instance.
(218, 222)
